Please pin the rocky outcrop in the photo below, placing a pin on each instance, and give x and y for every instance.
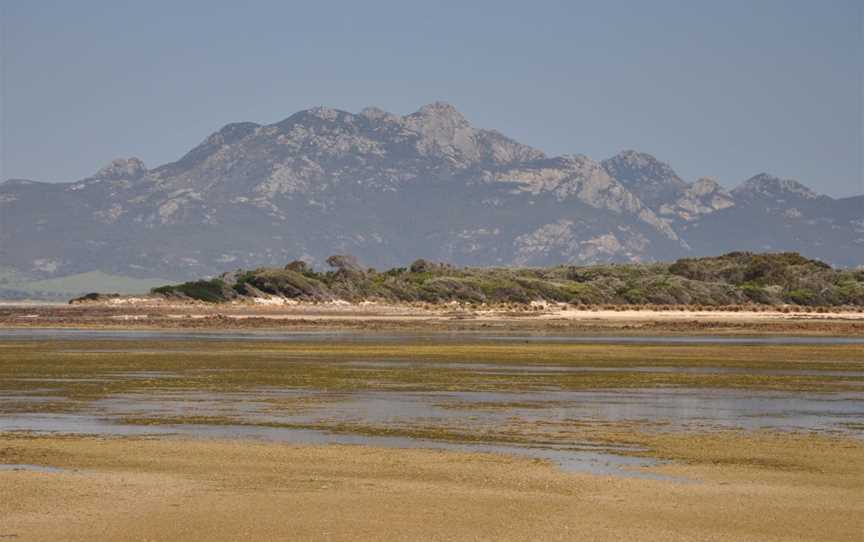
(122, 168)
(703, 197)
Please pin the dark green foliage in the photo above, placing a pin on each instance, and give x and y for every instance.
(633, 295)
(740, 267)
(733, 279)
(94, 296)
(849, 289)
(450, 289)
(802, 296)
(211, 291)
(756, 293)
(421, 266)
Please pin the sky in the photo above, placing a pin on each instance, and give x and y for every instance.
(722, 89)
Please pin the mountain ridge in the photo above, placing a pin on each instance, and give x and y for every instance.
(393, 188)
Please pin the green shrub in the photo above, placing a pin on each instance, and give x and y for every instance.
(755, 293)
(728, 280)
(210, 291)
(801, 296)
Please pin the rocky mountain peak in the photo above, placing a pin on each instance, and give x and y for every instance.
(319, 117)
(634, 167)
(765, 186)
(122, 169)
(653, 181)
(376, 114)
(439, 112)
(444, 132)
(636, 159)
(442, 129)
(324, 113)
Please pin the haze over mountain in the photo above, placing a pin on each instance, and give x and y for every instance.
(390, 189)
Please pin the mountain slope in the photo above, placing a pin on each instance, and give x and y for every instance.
(771, 214)
(391, 189)
(764, 213)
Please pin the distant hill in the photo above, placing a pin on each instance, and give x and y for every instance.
(733, 279)
(394, 188)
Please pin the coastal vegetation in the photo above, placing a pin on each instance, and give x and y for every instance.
(734, 279)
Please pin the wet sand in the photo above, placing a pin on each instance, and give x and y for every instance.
(134, 489)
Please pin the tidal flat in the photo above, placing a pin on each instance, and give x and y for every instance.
(708, 424)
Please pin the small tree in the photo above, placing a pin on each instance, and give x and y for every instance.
(298, 266)
(345, 262)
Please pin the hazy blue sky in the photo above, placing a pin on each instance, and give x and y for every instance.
(726, 89)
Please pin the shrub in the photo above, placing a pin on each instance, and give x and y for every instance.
(725, 281)
(344, 262)
(298, 266)
(801, 296)
(210, 291)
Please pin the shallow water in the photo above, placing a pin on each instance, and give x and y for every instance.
(542, 418)
(354, 336)
(470, 411)
(511, 369)
(674, 408)
(571, 459)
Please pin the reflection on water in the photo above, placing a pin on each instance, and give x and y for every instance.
(676, 408)
(359, 336)
(469, 411)
(571, 459)
(541, 418)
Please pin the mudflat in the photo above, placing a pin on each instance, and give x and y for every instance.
(144, 489)
(235, 435)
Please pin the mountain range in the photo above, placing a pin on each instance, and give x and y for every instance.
(390, 189)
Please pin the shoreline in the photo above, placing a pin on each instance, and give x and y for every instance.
(381, 317)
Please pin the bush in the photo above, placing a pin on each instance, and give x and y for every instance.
(725, 281)
(298, 266)
(210, 291)
(801, 296)
(755, 293)
(345, 262)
